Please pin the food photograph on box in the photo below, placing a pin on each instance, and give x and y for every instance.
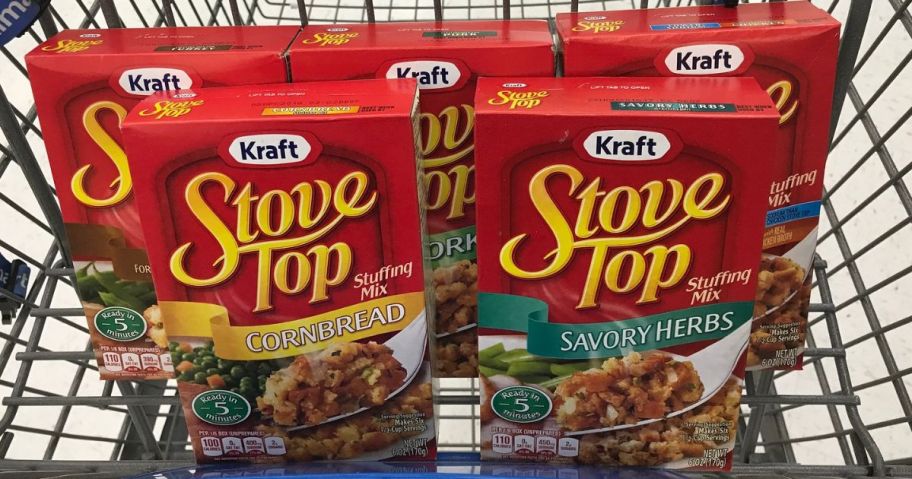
(448, 239)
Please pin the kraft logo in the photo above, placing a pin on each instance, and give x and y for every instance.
(146, 81)
(626, 145)
(708, 59)
(269, 149)
(431, 75)
(514, 85)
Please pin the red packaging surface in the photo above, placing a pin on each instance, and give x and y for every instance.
(286, 244)
(85, 82)
(446, 58)
(791, 49)
(618, 256)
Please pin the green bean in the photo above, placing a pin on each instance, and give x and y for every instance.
(488, 372)
(491, 351)
(529, 368)
(516, 355)
(553, 383)
(493, 363)
(533, 379)
(570, 368)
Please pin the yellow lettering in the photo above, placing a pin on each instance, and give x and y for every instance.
(264, 229)
(521, 99)
(598, 27)
(122, 184)
(781, 93)
(71, 46)
(616, 259)
(325, 39)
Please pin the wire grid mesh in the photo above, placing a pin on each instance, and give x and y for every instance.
(59, 417)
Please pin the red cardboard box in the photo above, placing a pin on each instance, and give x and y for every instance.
(446, 58)
(85, 82)
(618, 256)
(791, 49)
(286, 245)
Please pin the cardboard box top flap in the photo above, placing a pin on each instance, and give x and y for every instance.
(659, 96)
(294, 102)
(167, 40)
(608, 26)
(423, 36)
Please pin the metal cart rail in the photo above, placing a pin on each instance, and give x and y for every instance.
(852, 398)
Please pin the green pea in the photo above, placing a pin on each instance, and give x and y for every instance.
(246, 382)
(264, 369)
(173, 346)
(262, 378)
(247, 391)
(229, 381)
(200, 377)
(199, 349)
(251, 367)
(225, 365)
(237, 372)
(187, 376)
(209, 362)
(198, 360)
(235, 390)
(188, 357)
(212, 371)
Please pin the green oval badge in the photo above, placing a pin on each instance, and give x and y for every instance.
(521, 404)
(120, 324)
(221, 408)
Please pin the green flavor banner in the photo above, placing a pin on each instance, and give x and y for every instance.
(609, 339)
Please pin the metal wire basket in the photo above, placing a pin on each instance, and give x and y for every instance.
(849, 413)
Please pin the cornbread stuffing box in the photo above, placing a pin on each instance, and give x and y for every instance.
(85, 82)
(446, 58)
(618, 258)
(791, 49)
(287, 249)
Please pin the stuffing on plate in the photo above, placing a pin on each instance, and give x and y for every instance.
(362, 433)
(709, 426)
(340, 379)
(626, 391)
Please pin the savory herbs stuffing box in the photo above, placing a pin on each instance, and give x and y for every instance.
(85, 82)
(618, 252)
(286, 241)
(446, 58)
(790, 48)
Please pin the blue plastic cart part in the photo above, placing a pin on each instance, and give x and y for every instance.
(448, 466)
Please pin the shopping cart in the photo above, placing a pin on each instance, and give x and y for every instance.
(849, 413)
